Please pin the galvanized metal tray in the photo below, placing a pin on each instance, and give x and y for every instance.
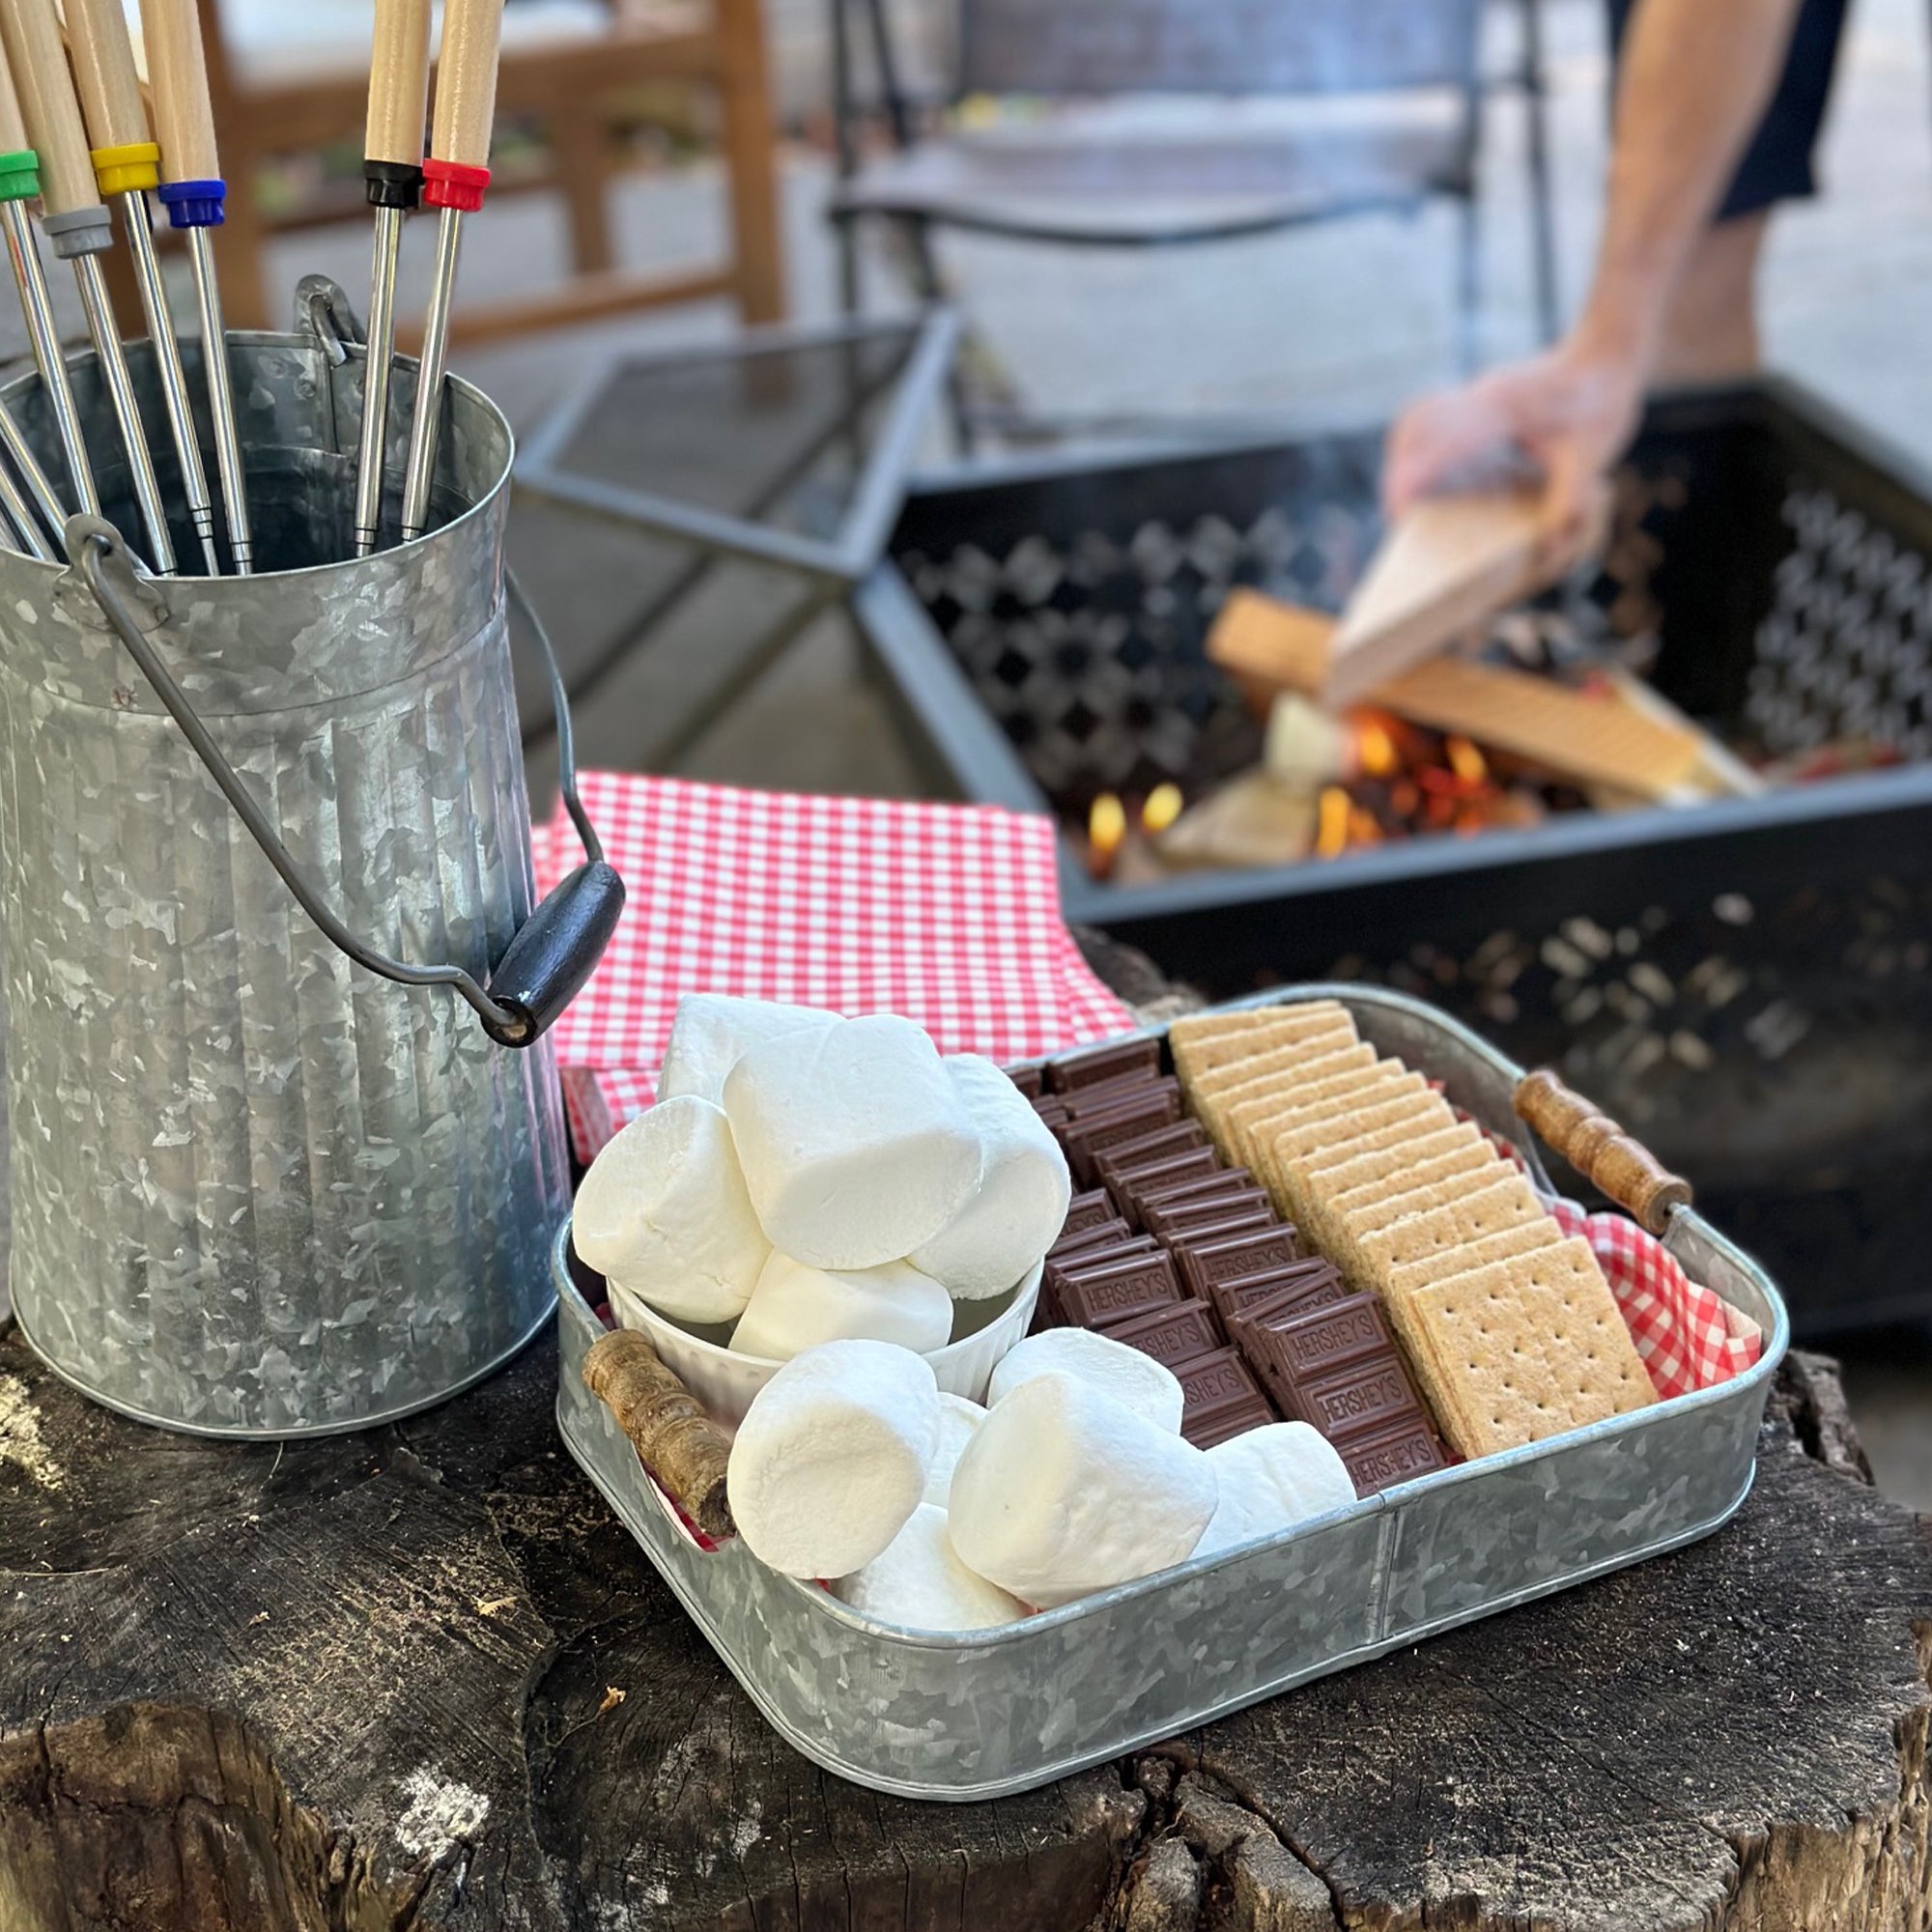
(975, 1715)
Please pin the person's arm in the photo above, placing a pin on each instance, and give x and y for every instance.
(1696, 76)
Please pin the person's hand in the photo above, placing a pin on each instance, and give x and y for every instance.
(1569, 412)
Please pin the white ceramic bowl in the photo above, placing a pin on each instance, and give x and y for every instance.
(982, 1331)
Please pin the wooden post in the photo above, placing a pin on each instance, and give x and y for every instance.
(750, 160)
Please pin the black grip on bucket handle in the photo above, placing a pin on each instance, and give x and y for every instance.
(553, 952)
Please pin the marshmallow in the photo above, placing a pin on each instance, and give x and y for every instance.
(1016, 1212)
(918, 1580)
(664, 1214)
(958, 1418)
(794, 1308)
(1064, 1490)
(831, 1457)
(711, 1033)
(1271, 1479)
(856, 1148)
(1147, 1387)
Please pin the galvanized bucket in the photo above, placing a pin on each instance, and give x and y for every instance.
(256, 1189)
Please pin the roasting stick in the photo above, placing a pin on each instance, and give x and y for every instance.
(125, 166)
(19, 183)
(192, 191)
(392, 170)
(79, 227)
(454, 178)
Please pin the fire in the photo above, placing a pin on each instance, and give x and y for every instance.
(1374, 749)
(1466, 761)
(1106, 827)
(1331, 834)
(1162, 807)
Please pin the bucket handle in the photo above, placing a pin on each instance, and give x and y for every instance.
(551, 953)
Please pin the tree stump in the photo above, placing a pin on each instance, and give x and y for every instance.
(420, 1680)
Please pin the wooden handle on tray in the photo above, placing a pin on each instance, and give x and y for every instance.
(1596, 1147)
(465, 82)
(678, 1443)
(38, 62)
(398, 83)
(103, 69)
(178, 73)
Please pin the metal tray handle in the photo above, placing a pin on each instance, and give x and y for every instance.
(1598, 1148)
(681, 1448)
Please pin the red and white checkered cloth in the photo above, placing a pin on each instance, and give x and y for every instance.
(949, 913)
(1688, 1337)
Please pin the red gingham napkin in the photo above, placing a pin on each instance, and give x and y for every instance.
(949, 913)
(1688, 1337)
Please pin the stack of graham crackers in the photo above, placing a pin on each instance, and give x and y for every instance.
(1510, 1329)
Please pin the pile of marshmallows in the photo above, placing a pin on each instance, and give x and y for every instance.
(831, 1187)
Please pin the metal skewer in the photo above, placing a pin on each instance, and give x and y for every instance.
(20, 183)
(454, 178)
(79, 227)
(392, 169)
(194, 191)
(125, 166)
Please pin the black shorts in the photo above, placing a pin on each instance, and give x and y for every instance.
(1778, 164)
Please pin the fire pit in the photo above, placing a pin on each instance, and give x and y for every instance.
(1744, 982)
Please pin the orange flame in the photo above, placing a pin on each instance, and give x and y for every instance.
(1374, 749)
(1331, 832)
(1106, 826)
(1162, 807)
(1466, 761)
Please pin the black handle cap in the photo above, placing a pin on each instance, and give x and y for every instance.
(555, 950)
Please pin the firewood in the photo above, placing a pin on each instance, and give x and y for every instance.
(677, 1442)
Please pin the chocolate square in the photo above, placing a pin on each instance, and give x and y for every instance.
(1085, 1211)
(1328, 1339)
(1361, 1400)
(1090, 1295)
(1104, 1234)
(1214, 1377)
(1204, 1263)
(1118, 1057)
(1175, 1332)
(1029, 1080)
(1082, 1139)
(1223, 1422)
(1399, 1454)
(1242, 1221)
(1279, 1294)
(1145, 1183)
(1174, 1142)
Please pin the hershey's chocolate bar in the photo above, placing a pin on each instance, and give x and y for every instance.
(1279, 1294)
(1088, 1296)
(1204, 1263)
(1028, 1080)
(1144, 1181)
(1390, 1456)
(1175, 1332)
(1215, 1377)
(1103, 1062)
(1084, 1137)
(1102, 1233)
(1224, 1228)
(1174, 1142)
(1329, 1337)
(1360, 1401)
(1227, 1420)
(1085, 1102)
(1085, 1211)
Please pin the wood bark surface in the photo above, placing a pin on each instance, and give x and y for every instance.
(420, 1680)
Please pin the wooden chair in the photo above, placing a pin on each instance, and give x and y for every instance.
(300, 82)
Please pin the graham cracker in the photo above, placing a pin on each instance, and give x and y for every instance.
(1468, 1170)
(1497, 1389)
(1270, 1061)
(1201, 1041)
(1562, 1291)
(1280, 1094)
(1408, 1111)
(1256, 1124)
(1401, 1281)
(1458, 1218)
(1359, 1170)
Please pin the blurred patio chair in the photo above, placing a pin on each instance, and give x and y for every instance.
(1140, 123)
(289, 79)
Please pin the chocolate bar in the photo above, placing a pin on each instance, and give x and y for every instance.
(1337, 1368)
(1084, 1211)
(1169, 1143)
(1145, 1182)
(1279, 1293)
(1174, 1332)
(1085, 1102)
(1104, 1234)
(1395, 1455)
(1225, 1181)
(1103, 1062)
(1084, 1137)
(1224, 1228)
(1216, 1388)
(1089, 1296)
(1028, 1080)
(1204, 1263)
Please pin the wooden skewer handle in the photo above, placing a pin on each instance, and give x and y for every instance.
(465, 82)
(103, 69)
(1596, 1147)
(177, 72)
(39, 61)
(14, 135)
(398, 82)
(685, 1451)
